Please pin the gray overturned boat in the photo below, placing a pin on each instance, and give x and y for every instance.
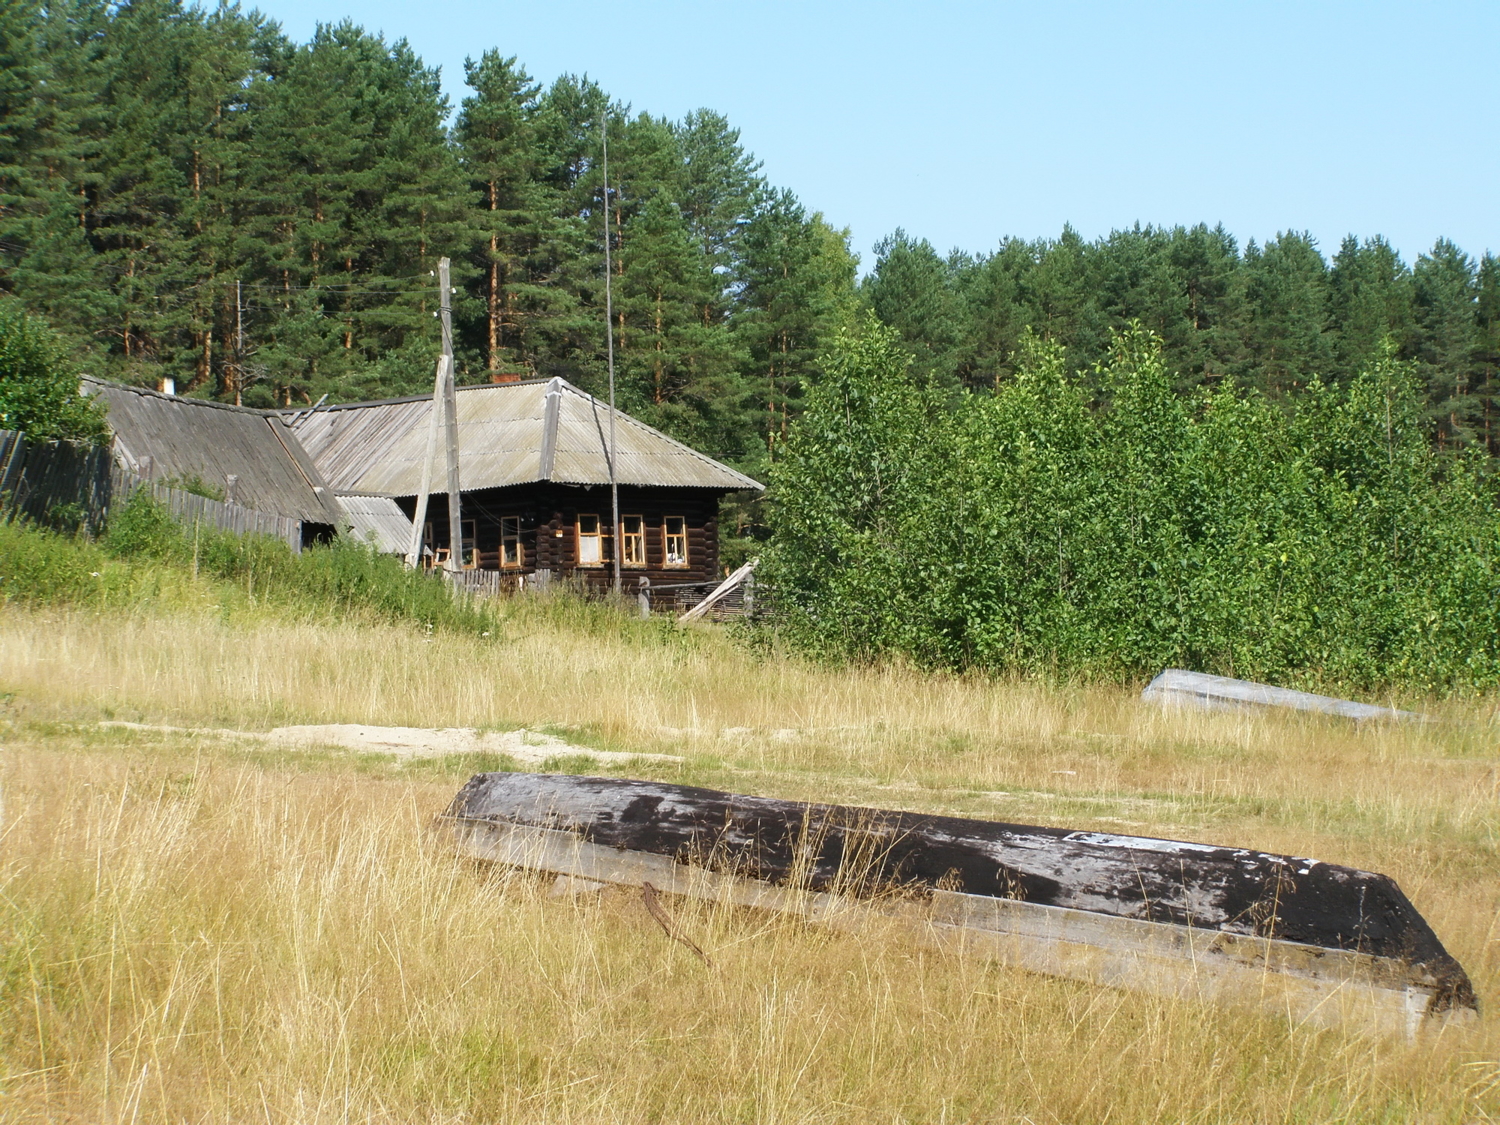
(1177, 687)
(1319, 942)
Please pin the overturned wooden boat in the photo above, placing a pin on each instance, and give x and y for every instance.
(1321, 943)
(1177, 687)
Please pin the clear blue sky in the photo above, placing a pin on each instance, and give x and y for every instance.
(966, 122)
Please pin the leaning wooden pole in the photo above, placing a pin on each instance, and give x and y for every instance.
(1312, 940)
(434, 423)
(450, 423)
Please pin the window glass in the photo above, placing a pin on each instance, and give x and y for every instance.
(510, 541)
(675, 529)
(590, 541)
(470, 554)
(632, 541)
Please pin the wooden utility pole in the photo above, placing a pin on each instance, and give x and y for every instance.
(450, 423)
(609, 333)
(239, 346)
(419, 520)
(444, 416)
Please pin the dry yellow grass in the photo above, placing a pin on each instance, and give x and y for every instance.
(194, 930)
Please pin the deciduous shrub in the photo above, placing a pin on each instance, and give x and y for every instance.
(1319, 540)
(38, 389)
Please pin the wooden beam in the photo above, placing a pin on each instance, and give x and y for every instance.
(434, 422)
(450, 423)
(719, 592)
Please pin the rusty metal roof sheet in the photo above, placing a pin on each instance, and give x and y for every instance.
(188, 437)
(513, 433)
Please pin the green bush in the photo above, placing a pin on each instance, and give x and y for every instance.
(39, 567)
(1318, 541)
(144, 544)
(143, 527)
(38, 387)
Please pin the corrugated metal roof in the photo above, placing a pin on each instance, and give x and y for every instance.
(513, 433)
(187, 437)
(379, 520)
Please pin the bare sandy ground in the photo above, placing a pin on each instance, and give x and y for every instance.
(526, 746)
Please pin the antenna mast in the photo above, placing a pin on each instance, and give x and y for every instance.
(609, 326)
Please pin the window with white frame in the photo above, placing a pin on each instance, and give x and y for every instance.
(674, 533)
(590, 540)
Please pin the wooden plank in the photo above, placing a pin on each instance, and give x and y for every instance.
(719, 593)
(1178, 687)
(1089, 905)
(450, 423)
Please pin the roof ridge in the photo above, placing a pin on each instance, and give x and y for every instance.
(424, 396)
(547, 454)
(147, 392)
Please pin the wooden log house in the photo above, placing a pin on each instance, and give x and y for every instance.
(534, 473)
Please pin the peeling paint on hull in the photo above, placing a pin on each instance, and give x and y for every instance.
(1324, 923)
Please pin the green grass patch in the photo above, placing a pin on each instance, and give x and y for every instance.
(147, 558)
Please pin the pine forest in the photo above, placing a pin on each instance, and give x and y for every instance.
(186, 192)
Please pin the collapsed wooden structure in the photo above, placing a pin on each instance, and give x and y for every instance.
(1322, 943)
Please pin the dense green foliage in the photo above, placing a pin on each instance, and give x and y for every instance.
(1273, 317)
(145, 551)
(187, 192)
(184, 192)
(38, 390)
(1107, 523)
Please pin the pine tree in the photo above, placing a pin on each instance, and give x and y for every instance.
(356, 194)
(23, 125)
(912, 290)
(561, 329)
(1445, 291)
(1288, 336)
(1063, 299)
(678, 362)
(498, 148)
(1370, 304)
(998, 313)
(797, 278)
(53, 119)
(1209, 341)
(719, 185)
(1487, 348)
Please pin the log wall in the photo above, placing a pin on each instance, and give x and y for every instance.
(549, 518)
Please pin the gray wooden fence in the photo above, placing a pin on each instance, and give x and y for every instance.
(72, 486)
(55, 482)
